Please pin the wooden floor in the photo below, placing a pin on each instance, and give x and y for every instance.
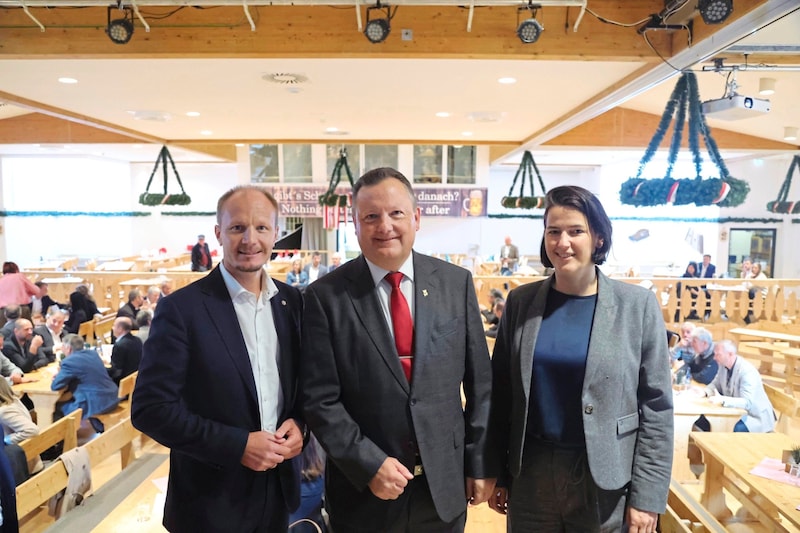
(136, 512)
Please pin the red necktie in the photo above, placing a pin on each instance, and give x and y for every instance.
(401, 322)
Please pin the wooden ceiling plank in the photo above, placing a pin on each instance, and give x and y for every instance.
(328, 31)
(628, 128)
(38, 128)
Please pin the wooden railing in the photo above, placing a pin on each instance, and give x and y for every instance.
(717, 299)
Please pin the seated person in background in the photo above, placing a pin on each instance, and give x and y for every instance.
(127, 351)
(129, 310)
(143, 319)
(82, 308)
(151, 297)
(690, 272)
(85, 376)
(758, 273)
(702, 367)
(499, 305)
(747, 268)
(738, 384)
(683, 350)
(296, 277)
(23, 348)
(9, 370)
(312, 487)
(16, 422)
(336, 261)
(51, 332)
(166, 287)
(43, 302)
(488, 310)
(12, 314)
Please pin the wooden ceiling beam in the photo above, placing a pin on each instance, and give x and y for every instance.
(331, 31)
(627, 128)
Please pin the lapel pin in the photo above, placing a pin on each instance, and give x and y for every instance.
(283, 302)
(425, 292)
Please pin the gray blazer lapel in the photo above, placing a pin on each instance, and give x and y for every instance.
(369, 312)
(530, 330)
(601, 340)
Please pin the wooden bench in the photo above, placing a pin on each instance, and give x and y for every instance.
(103, 327)
(64, 430)
(123, 409)
(50, 481)
(686, 507)
(785, 404)
(86, 330)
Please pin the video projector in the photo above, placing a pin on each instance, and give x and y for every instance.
(735, 107)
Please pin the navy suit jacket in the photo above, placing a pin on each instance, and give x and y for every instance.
(196, 394)
(362, 408)
(710, 271)
(126, 356)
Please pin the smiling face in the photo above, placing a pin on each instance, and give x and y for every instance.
(386, 223)
(569, 242)
(247, 231)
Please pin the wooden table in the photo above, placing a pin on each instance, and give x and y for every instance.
(772, 336)
(116, 266)
(60, 288)
(688, 406)
(729, 458)
(44, 400)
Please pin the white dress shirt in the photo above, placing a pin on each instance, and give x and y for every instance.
(384, 288)
(254, 314)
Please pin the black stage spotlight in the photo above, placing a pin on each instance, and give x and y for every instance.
(529, 30)
(715, 11)
(120, 31)
(377, 29)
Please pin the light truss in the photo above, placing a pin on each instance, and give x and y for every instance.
(135, 4)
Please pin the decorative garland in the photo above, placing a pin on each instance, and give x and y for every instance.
(725, 191)
(330, 198)
(527, 168)
(720, 220)
(148, 198)
(781, 205)
(9, 214)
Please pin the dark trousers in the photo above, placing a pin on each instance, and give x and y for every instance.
(555, 492)
(419, 515)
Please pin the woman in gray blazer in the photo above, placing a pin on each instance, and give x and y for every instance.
(581, 394)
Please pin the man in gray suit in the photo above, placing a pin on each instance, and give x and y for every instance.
(397, 440)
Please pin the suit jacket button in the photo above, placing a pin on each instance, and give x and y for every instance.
(589, 409)
(413, 401)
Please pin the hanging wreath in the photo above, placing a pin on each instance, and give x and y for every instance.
(781, 205)
(725, 191)
(526, 169)
(150, 198)
(330, 198)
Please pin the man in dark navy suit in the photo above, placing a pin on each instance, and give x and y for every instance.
(217, 383)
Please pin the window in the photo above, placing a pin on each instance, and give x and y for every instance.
(427, 163)
(461, 164)
(264, 163)
(297, 163)
(353, 160)
(380, 155)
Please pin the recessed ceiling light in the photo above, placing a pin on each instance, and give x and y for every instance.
(507, 80)
(192, 113)
(67, 81)
(335, 131)
(442, 114)
(331, 129)
(239, 144)
(789, 133)
(151, 114)
(486, 116)
(466, 133)
(206, 132)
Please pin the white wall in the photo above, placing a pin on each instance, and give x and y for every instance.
(90, 185)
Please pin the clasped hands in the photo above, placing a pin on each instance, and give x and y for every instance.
(392, 477)
(266, 450)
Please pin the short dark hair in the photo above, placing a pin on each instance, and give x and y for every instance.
(13, 312)
(575, 197)
(377, 175)
(10, 267)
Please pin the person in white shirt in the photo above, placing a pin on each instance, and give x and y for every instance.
(315, 269)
